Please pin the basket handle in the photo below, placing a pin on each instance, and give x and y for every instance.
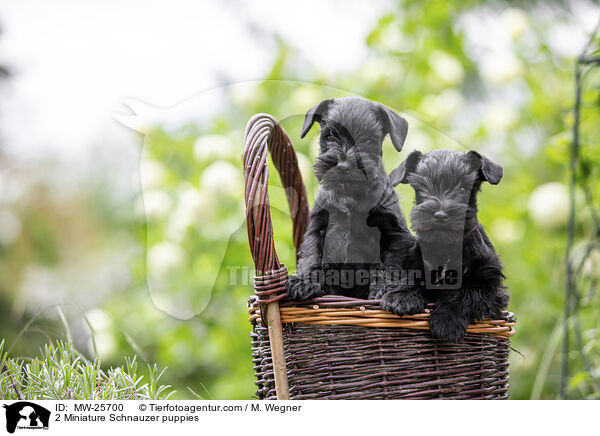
(263, 133)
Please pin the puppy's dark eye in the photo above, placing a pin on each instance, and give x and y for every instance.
(330, 138)
(463, 190)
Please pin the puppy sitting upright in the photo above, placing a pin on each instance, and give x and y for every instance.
(462, 271)
(356, 218)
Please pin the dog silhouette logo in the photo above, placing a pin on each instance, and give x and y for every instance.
(26, 415)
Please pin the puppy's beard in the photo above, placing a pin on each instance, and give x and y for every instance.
(430, 230)
(441, 236)
(354, 181)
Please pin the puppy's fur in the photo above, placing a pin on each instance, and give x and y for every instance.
(444, 218)
(356, 219)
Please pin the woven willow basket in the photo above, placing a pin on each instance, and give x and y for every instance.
(336, 347)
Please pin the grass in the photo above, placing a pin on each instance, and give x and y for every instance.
(62, 373)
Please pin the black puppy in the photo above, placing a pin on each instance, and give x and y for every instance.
(356, 219)
(462, 272)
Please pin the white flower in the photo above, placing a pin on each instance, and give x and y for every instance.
(102, 334)
(191, 201)
(499, 117)
(12, 186)
(152, 173)
(304, 97)
(378, 68)
(98, 319)
(193, 207)
(591, 263)
(164, 258)
(105, 343)
(244, 93)
(210, 147)
(498, 68)
(156, 203)
(392, 39)
(444, 104)
(446, 67)
(565, 40)
(506, 230)
(10, 227)
(591, 266)
(222, 178)
(549, 205)
(516, 22)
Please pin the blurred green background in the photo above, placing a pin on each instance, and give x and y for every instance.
(492, 76)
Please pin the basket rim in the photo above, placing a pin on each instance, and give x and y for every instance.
(340, 310)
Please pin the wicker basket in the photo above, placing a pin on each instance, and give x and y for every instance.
(336, 347)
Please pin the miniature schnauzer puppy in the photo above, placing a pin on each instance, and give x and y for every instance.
(462, 272)
(356, 219)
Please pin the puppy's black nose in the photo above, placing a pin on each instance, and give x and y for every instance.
(440, 216)
(344, 166)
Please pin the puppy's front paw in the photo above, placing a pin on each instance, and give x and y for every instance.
(300, 289)
(447, 324)
(403, 302)
(376, 290)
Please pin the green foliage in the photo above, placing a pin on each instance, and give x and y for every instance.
(61, 373)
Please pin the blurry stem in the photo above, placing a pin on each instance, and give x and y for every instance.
(586, 362)
(544, 368)
(14, 384)
(63, 319)
(564, 371)
(133, 344)
(26, 327)
(93, 335)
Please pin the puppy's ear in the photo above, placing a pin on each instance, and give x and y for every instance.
(488, 171)
(393, 124)
(315, 113)
(407, 167)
